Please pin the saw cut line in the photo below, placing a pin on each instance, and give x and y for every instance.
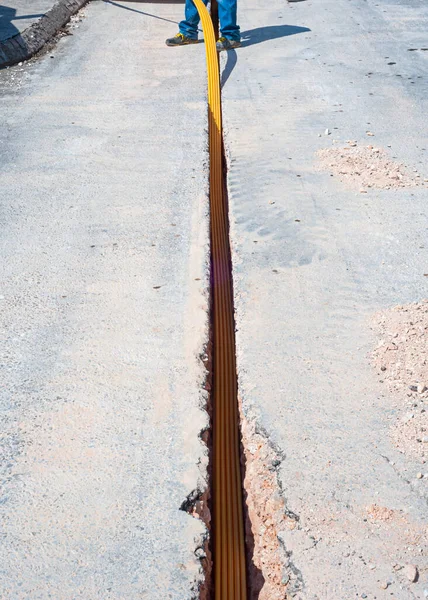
(230, 581)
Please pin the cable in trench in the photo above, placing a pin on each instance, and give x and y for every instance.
(230, 581)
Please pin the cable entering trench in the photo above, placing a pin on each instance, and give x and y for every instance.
(230, 580)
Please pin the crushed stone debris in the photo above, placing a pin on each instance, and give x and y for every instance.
(401, 359)
(267, 516)
(380, 513)
(367, 167)
(411, 572)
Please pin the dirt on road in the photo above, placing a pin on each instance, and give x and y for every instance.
(368, 166)
(401, 360)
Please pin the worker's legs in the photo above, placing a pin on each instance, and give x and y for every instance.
(227, 10)
(227, 13)
(189, 27)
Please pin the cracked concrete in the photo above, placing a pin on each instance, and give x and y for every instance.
(104, 247)
(313, 260)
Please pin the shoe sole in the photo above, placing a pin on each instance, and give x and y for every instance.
(230, 48)
(182, 44)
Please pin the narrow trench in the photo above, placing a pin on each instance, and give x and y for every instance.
(228, 579)
(203, 504)
(223, 555)
(227, 555)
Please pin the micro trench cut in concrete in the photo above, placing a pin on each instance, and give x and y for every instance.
(104, 247)
(314, 258)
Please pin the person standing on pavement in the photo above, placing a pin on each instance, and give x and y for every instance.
(230, 33)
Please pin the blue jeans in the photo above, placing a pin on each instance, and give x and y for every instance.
(227, 15)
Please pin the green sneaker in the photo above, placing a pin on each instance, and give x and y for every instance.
(226, 44)
(180, 40)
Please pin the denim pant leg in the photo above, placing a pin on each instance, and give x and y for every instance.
(227, 12)
(189, 27)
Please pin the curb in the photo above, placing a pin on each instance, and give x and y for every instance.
(25, 44)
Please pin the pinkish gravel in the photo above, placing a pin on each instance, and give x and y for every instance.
(367, 167)
(269, 571)
(401, 359)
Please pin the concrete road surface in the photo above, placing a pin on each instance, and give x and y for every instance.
(313, 260)
(104, 296)
(103, 308)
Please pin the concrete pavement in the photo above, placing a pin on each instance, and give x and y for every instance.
(104, 312)
(104, 253)
(313, 260)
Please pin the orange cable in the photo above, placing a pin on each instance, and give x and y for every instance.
(229, 544)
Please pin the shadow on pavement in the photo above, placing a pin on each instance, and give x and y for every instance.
(256, 36)
(7, 28)
(232, 59)
(249, 38)
(141, 12)
(271, 32)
